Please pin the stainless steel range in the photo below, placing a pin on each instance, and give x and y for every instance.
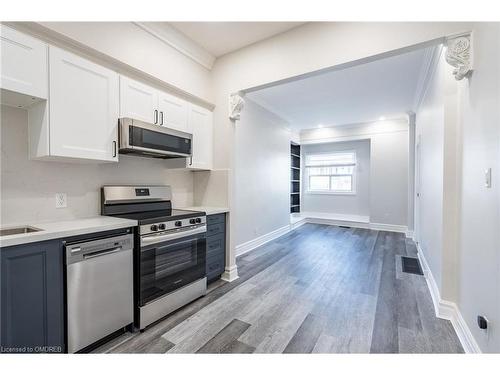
(170, 249)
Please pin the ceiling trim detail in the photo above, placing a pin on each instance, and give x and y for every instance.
(236, 104)
(459, 54)
(177, 40)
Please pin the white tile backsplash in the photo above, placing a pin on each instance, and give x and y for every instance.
(28, 187)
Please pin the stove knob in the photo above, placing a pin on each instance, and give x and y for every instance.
(192, 221)
(198, 220)
(154, 227)
(162, 226)
(178, 223)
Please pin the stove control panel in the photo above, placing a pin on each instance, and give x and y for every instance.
(172, 225)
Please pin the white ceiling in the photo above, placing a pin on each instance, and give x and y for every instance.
(219, 38)
(384, 88)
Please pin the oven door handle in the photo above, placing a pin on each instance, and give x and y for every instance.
(156, 238)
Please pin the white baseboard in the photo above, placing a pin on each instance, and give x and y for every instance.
(354, 221)
(357, 224)
(296, 224)
(448, 310)
(259, 241)
(389, 227)
(230, 273)
(353, 224)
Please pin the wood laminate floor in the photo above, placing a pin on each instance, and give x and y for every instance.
(318, 289)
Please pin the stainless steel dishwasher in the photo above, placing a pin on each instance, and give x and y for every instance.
(99, 289)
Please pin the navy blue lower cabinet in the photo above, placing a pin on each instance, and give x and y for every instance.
(216, 245)
(32, 298)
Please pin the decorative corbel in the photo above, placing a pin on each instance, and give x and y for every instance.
(459, 54)
(236, 103)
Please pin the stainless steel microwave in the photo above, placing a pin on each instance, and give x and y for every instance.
(155, 141)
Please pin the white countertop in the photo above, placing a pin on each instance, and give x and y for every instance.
(68, 228)
(209, 210)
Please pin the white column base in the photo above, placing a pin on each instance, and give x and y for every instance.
(230, 274)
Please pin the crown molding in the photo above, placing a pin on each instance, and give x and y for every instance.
(177, 40)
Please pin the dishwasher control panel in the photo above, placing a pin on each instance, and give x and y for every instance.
(78, 252)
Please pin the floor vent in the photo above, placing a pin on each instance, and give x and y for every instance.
(344, 226)
(411, 265)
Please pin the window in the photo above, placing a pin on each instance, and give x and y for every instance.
(333, 173)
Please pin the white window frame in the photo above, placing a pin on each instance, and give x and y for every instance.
(332, 192)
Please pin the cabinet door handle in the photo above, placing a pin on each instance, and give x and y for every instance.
(191, 160)
(161, 114)
(114, 149)
(156, 116)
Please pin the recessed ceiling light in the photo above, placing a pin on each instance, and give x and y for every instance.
(320, 126)
(381, 118)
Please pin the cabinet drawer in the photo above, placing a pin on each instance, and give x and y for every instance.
(216, 245)
(215, 219)
(214, 229)
(215, 267)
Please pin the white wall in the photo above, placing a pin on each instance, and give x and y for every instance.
(210, 188)
(357, 204)
(479, 257)
(389, 141)
(459, 216)
(28, 187)
(262, 174)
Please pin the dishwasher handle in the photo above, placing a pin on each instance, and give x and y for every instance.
(82, 251)
(101, 253)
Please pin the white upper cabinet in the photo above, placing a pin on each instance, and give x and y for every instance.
(200, 119)
(200, 123)
(84, 108)
(138, 101)
(173, 112)
(145, 103)
(24, 64)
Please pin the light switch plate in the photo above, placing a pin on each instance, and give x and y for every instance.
(487, 178)
(61, 200)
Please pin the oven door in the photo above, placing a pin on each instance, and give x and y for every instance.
(169, 261)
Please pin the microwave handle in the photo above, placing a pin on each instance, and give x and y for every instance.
(157, 238)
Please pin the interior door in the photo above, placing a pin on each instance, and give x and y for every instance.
(200, 120)
(138, 101)
(417, 191)
(173, 112)
(83, 108)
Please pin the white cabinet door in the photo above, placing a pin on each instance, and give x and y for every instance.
(24, 64)
(173, 112)
(138, 101)
(200, 120)
(84, 106)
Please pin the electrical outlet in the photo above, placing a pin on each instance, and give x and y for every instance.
(61, 200)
